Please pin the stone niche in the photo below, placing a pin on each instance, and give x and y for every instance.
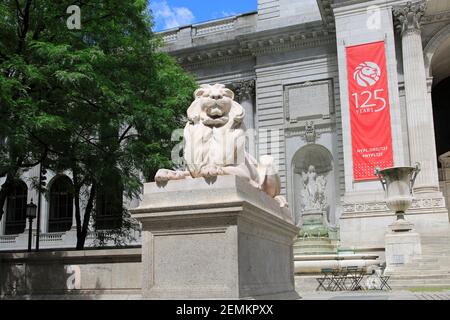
(320, 159)
(308, 100)
(220, 239)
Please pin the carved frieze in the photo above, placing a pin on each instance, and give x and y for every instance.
(365, 207)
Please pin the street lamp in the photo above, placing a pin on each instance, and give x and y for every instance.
(31, 214)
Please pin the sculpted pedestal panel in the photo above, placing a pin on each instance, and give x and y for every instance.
(217, 238)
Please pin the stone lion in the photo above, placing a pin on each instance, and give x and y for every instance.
(214, 144)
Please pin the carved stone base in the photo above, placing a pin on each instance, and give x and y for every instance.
(313, 224)
(401, 225)
(401, 247)
(221, 239)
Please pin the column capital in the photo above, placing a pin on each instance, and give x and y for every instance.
(407, 17)
(244, 89)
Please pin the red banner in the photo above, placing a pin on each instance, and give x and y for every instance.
(369, 109)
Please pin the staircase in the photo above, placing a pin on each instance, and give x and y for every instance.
(431, 269)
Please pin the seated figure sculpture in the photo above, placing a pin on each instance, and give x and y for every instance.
(214, 144)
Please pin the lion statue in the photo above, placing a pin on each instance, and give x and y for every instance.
(214, 144)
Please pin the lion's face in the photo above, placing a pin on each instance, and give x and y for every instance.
(367, 74)
(215, 103)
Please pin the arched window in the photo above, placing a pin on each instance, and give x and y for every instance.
(16, 208)
(61, 205)
(109, 204)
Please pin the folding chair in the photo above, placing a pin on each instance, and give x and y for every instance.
(339, 279)
(326, 280)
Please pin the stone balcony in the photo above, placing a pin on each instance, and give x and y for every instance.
(207, 32)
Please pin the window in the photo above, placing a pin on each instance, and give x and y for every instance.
(16, 208)
(109, 204)
(61, 205)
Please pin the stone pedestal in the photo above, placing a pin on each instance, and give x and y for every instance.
(221, 239)
(400, 248)
(313, 224)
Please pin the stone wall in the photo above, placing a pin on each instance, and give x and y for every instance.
(72, 273)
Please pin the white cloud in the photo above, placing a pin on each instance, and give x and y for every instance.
(222, 14)
(171, 17)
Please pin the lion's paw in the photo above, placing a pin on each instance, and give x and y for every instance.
(211, 171)
(164, 175)
(282, 201)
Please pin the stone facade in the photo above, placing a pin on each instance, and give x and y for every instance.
(301, 112)
(286, 63)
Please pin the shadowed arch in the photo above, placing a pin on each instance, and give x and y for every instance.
(314, 154)
(60, 204)
(16, 208)
(437, 44)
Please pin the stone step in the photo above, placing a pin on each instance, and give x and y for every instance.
(400, 286)
(418, 283)
(429, 259)
(422, 274)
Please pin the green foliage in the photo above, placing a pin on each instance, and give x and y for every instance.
(98, 101)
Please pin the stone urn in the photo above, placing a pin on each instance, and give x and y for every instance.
(398, 183)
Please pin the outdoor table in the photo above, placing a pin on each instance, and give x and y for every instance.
(337, 279)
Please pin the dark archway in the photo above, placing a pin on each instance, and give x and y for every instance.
(61, 205)
(109, 203)
(441, 115)
(16, 208)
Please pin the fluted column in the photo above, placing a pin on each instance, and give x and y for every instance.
(245, 93)
(418, 103)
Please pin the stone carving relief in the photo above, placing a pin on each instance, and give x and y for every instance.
(214, 144)
(310, 135)
(408, 17)
(313, 193)
(244, 89)
(369, 207)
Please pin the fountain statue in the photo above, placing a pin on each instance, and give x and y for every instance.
(313, 193)
(314, 204)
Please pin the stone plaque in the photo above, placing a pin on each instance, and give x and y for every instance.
(309, 100)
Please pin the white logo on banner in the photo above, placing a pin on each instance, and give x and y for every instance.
(367, 74)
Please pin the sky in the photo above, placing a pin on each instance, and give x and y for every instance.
(169, 14)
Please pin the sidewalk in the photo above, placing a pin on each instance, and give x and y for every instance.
(375, 295)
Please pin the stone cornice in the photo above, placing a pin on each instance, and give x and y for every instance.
(257, 43)
(197, 56)
(289, 41)
(438, 17)
(326, 11)
(408, 17)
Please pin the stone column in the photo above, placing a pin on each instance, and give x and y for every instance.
(418, 103)
(245, 93)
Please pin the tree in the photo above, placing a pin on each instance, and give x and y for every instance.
(104, 98)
